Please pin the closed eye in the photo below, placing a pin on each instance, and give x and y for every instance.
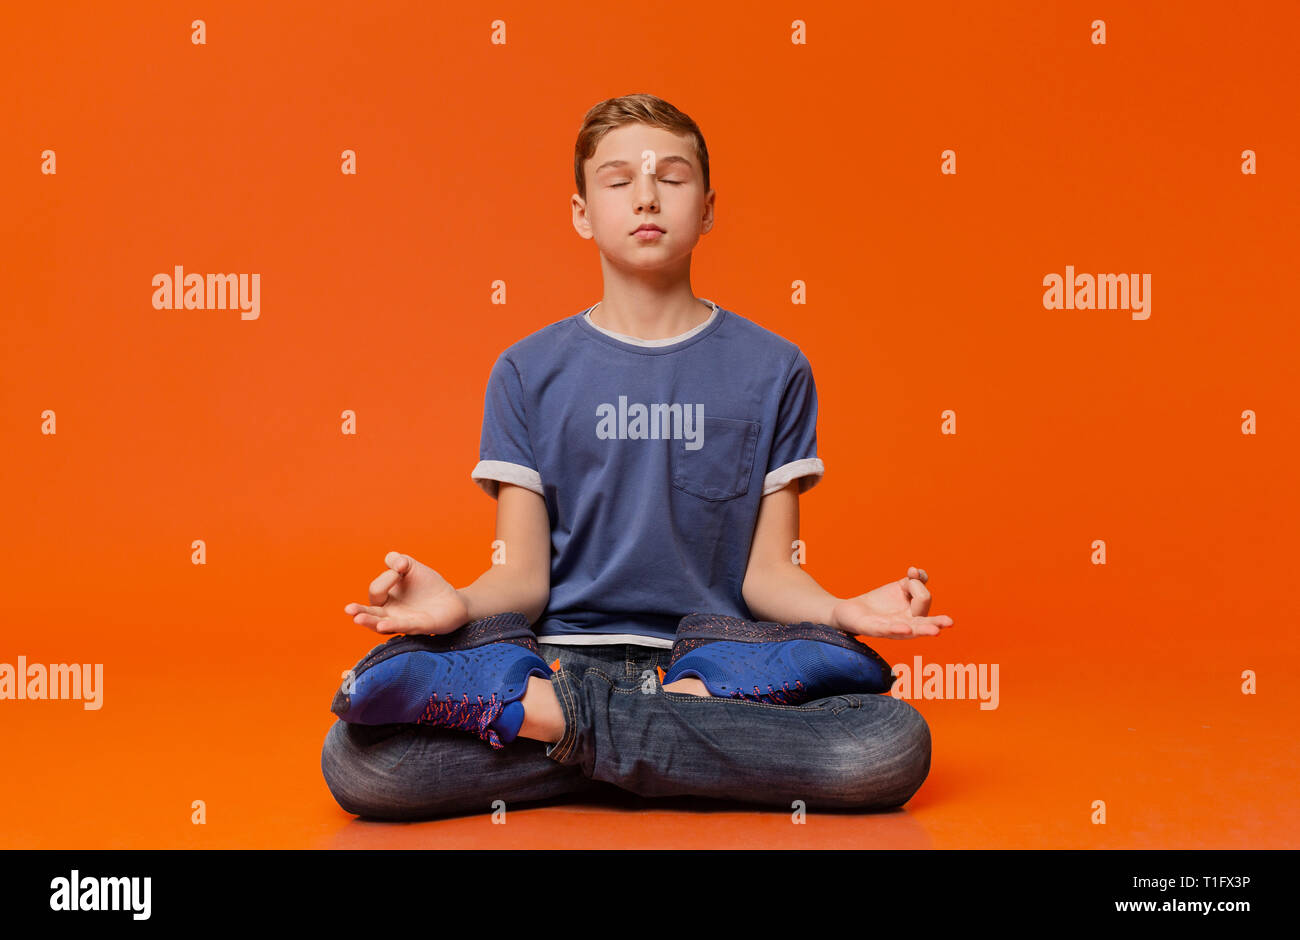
(669, 182)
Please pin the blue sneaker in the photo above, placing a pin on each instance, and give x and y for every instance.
(470, 679)
(777, 663)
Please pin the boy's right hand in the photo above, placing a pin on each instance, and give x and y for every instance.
(410, 598)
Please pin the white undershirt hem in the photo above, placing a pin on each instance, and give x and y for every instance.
(598, 639)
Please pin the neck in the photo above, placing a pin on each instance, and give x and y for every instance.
(651, 318)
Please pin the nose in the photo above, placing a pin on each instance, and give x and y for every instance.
(646, 194)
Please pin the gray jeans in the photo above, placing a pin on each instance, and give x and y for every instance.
(621, 729)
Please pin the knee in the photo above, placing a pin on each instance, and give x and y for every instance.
(338, 765)
(884, 764)
(350, 765)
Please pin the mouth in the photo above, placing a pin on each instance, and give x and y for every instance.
(648, 227)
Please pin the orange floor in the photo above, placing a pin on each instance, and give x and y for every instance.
(1181, 758)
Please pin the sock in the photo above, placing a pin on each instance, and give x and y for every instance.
(509, 722)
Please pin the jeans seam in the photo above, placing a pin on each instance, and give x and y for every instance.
(569, 741)
(849, 702)
(600, 672)
(570, 734)
(679, 696)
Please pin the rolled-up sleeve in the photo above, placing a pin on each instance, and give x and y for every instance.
(794, 446)
(505, 449)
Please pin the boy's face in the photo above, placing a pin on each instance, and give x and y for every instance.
(643, 175)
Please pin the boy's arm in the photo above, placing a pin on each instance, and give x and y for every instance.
(775, 588)
(522, 580)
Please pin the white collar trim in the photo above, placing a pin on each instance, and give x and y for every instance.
(668, 341)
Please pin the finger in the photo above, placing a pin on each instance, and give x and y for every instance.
(383, 625)
(917, 573)
(912, 631)
(919, 594)
(899, 628)
(380, 587)
(930, 626)
(873, 625)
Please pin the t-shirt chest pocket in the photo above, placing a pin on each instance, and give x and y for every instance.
(721, 466)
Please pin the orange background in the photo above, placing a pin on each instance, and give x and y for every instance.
(1119, 682)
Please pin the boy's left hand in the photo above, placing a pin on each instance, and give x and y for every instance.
(896, 610)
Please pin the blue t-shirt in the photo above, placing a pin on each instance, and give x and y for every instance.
(652, 457)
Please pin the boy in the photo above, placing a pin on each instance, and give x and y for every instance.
(647, 457)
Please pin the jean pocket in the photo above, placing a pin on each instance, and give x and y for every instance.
(720, 468)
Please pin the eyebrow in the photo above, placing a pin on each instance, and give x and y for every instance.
(660, 162)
